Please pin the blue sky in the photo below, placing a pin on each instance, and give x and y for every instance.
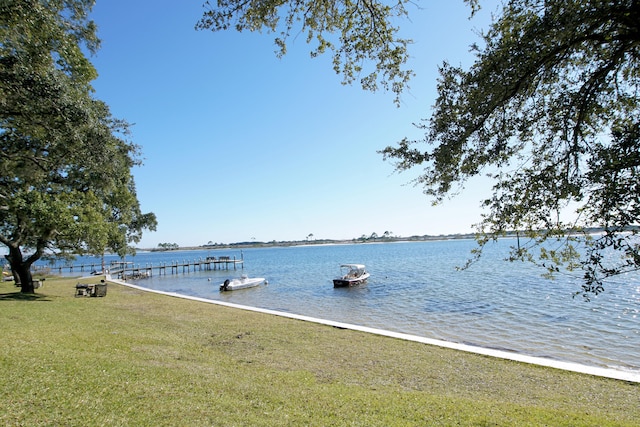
(240, 145)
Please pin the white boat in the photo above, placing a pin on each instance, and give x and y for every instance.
(351, 275)
(242, 283)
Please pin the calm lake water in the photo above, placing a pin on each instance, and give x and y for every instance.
(415, 288)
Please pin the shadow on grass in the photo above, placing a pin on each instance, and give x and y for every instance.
(19, 296)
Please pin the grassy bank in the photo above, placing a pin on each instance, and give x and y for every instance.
(136, 358)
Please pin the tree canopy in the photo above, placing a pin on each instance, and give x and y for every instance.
(549, 111)
(357, 32)
(65, 166)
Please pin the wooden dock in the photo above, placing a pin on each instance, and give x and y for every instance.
(128, 270)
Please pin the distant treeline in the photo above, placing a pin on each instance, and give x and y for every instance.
(253, 244)
(166, 247)
(363, 239)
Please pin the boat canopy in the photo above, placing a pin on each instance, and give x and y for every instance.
(353, 266)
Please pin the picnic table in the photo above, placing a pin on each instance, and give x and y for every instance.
(91, 289)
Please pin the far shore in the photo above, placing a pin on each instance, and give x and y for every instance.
(318, 242)
(314, 242)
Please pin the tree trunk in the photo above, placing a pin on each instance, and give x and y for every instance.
(21, 270)
(26, 280)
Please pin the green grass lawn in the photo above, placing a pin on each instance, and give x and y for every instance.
(138, 358)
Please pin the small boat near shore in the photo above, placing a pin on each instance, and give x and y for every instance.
(242, 283)
(351, 275)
